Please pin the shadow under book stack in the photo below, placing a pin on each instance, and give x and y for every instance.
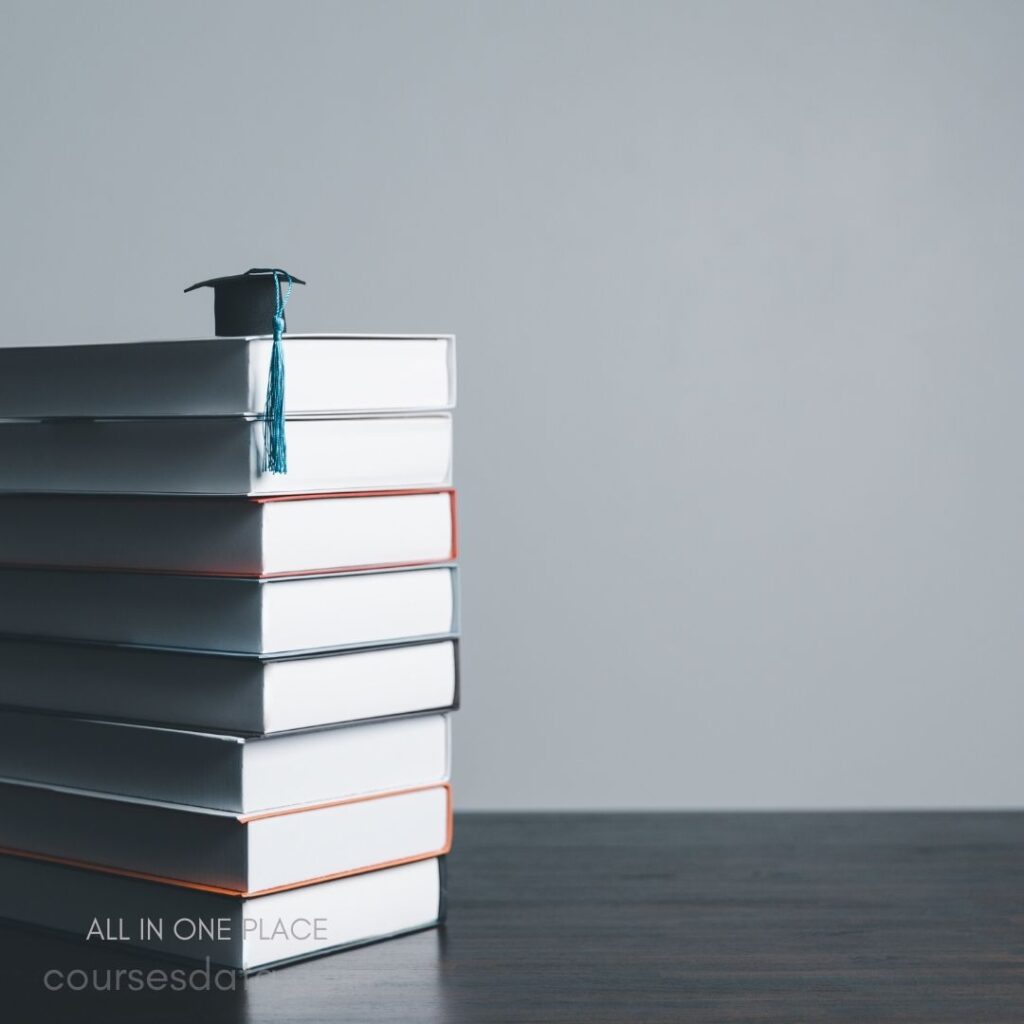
(224, 693)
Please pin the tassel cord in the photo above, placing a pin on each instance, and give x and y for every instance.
(275, 447)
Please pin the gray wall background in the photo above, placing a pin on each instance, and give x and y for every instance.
(737, 287)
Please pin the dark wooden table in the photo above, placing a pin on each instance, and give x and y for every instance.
(649, 917)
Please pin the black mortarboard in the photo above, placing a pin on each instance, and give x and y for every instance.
(245, 304)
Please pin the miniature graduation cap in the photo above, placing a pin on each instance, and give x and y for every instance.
(253, 303)
(246, 304)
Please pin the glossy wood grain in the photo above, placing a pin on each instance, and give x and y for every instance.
(680, 918)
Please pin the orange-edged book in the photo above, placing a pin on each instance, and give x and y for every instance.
(220, 852)
(223, 772)
(260, 537)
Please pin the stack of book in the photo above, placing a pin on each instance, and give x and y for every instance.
(224, 693)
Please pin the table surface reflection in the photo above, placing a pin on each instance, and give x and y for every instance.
(648, 917)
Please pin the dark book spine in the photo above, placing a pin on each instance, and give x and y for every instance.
(442, 903)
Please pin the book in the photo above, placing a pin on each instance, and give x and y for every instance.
(231, 614)
(242, 855)
(230, 693)
(326, 373)
(244, 933)
(224, 456)
(224, 771)
(242, 536)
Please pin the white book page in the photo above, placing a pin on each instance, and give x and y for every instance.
(348, 610)
(352, 909)
(290, 848)
(334, 764)
(364, 684)
(357, 374)
(339, 532)
(358, 455)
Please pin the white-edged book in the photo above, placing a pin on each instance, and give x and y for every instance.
(237, 615)
(241, 855)
(228, 693)
(224, 456)
(325, 373)
(248, 933)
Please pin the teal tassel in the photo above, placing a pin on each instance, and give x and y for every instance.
(275, 448)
